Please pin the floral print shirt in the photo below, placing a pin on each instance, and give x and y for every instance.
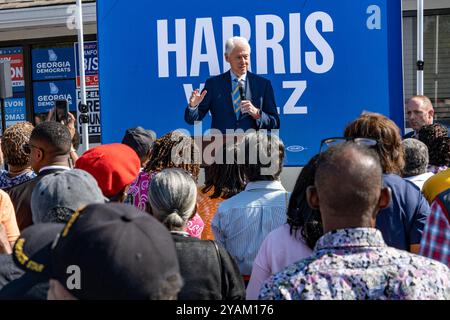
(356, 264)
(7, 182)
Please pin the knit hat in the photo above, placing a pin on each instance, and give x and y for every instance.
(114, 166)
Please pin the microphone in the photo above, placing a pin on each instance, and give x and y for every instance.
(241, 90)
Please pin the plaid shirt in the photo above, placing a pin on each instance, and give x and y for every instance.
(436, 236)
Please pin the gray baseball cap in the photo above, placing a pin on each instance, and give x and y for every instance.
(57, 192)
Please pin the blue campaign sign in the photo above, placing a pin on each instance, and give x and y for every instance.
(15, 111)
(53, 63)
(46, 93)
(327, 61)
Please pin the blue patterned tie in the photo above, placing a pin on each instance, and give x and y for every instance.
(236, 97)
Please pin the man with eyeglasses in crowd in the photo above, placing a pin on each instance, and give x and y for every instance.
(49, 148)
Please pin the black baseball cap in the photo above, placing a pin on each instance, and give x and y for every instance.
(120, 252)
(140, 140)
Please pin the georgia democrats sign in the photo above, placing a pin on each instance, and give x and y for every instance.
(327, 60)
(46, 93)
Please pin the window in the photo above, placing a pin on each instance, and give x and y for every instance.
(437, 61)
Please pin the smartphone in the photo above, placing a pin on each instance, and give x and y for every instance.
(61, 111)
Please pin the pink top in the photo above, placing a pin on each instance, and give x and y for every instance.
(278, 250)
(138, 196)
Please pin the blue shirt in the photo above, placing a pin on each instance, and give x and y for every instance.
(242, 222)
(402, 223)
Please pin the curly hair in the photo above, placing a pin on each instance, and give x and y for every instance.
(174, 150)
(428, 133)
(385, 131)
(300, 215)
(416, 157)
(439, 152)
(12, 144)
(435, 137)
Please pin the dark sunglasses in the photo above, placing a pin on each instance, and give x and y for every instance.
(325, 144)
(27, 148)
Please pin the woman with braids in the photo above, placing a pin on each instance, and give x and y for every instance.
(18, 161)
(222, 181)
(292, 241)
(173, 150)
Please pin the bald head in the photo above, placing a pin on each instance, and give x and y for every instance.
(419, 111)
(348, 182)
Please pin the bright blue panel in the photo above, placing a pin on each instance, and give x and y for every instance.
(327, 60)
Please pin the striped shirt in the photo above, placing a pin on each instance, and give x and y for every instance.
(243, 221)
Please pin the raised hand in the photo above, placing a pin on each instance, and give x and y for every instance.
(196, 98)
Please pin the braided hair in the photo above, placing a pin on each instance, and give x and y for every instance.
(174, 150)
(300, 215)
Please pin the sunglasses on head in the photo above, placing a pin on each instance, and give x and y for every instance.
(325, 144)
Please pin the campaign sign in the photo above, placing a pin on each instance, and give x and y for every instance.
(15, 57)
(327, 61)
(90, 64)
(46, 93)
(15, 111)
(53, 63)
(93, 103)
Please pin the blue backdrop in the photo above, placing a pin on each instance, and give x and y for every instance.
(327, 60)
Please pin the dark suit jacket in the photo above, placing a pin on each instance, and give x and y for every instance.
(218, 102)
(21, 198)
(409, 135)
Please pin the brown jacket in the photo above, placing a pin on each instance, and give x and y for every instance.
(21, 198)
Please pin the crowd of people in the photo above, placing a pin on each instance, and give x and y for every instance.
(368, 217)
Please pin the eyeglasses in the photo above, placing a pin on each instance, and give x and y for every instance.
(325, 144)
(27, 148)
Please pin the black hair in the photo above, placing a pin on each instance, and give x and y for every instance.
(55, 135)
(225, 179)
(300, 215)
(263, 156)
(435, 137)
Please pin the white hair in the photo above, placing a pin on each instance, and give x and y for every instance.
(234, 42)
(172, 196)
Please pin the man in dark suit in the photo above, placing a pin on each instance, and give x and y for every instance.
(237, 99)
(420, 112)
(49, 148)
